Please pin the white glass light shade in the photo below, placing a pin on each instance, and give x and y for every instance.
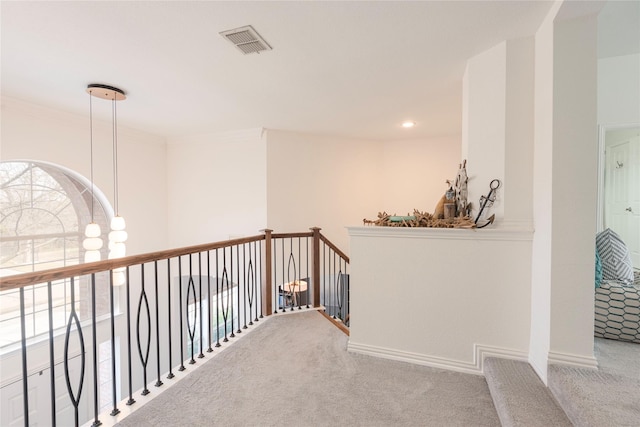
(118, 250)
(91, 256)
(119, 236)
(92, 230)
(117, 223)
(119, 277)
(92, 243)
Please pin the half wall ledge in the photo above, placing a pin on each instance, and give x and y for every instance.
(433, 296)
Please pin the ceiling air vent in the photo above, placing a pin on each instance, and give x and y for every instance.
(246, 39)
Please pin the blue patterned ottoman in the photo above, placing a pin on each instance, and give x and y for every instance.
(617, 312)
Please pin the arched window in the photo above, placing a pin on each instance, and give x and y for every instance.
(44, 209)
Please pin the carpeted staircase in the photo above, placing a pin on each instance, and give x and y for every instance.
(520, 397)
(593, 398)
(575, 396)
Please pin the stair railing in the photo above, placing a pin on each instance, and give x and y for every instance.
(175, 306)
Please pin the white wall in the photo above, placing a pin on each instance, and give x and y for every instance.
(574, 199)
(333, 182)
(619, 90)
(319, 181)
(440, 297)
(38, 133)
(565, 181)
(414, 173)
(216, 187)
(498, 137)
(542, 190)
(484, 94)
(519, 133)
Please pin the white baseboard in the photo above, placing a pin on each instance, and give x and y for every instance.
(577, 361)
(474, 367)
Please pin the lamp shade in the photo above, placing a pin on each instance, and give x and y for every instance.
(118, 223)
(91, 256)
(119, 236)
(92, 243)
(92, 230)
(119, 277)
(118, 250)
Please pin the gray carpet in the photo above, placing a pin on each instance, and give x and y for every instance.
(295, 370)
(609, 396)
(520, 397)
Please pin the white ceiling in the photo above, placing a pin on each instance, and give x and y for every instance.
(353, 68)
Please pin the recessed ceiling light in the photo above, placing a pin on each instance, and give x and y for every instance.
(408, 124)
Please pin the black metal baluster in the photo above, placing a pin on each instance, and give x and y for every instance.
(339, 288)
(230, 292)
(276, 289)
(224, 301)
(94, 341)
(292, 283)
(209, 300)
(259, 259)
(23, 339)
(324, 276)
(239, 277)
(182, 368)
(308, 277)
(169, 298)
(250, 286)
(246, 283)
(51, 356)
(218, 300)
(334, 300)
(191, 330)
(73, 317)
(201, 355)
(131, 400)
(115, 411)
(299, 282)
(144, 359)
(155, 270)
(284, 295)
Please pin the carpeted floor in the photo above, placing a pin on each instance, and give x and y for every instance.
(294, 370)
(609, 396)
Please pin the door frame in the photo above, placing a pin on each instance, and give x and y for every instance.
(602, 131)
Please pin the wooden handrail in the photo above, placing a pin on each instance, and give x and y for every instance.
(27, 279)
(288, 235)
(334, 247)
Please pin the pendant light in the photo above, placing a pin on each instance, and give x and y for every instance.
(118, 235)
(92, 242)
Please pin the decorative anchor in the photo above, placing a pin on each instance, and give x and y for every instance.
(488, 200)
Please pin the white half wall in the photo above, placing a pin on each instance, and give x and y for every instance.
(440, 297)
(216, 187)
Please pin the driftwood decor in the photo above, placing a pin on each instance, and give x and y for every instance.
(452, 211)
(420, 219)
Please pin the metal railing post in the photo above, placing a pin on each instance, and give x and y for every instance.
(316, 266)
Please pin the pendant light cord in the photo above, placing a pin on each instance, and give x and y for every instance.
(91, 149)
(115, 155)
